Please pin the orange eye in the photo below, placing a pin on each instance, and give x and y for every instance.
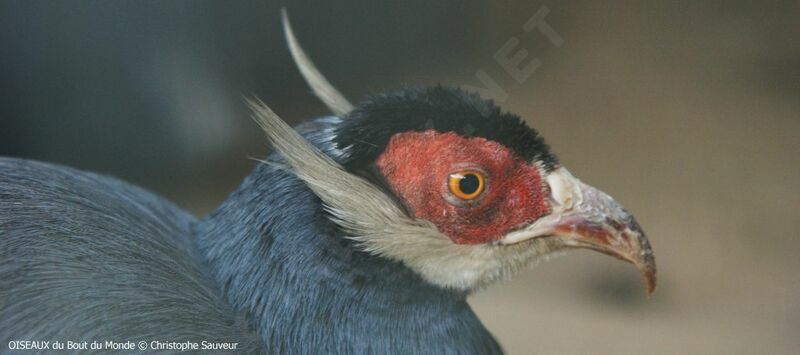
(466, 185)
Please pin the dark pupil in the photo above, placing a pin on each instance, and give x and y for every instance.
(469, 184)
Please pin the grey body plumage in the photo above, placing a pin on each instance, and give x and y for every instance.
(87, 257)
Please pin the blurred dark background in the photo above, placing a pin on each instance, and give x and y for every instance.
(687, 112)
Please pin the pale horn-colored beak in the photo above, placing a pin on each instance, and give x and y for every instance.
(584, 217)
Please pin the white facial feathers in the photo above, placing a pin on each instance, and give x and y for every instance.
(565, 194)
(380, 226)
(355, 204)
(332, 98)
(565, 189)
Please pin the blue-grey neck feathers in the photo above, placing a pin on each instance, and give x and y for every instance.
(307, 287)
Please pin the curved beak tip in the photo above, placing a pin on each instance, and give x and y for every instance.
(631, 245)
(641, 255)
(649, 275)
(585, 217)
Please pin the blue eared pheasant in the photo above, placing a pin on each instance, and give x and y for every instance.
(363, 232)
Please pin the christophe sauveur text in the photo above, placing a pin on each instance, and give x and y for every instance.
(120, 345)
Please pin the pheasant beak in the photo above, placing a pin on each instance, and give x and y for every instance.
(584, 217)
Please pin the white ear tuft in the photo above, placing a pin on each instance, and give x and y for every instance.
(332, 98)
(379, 225)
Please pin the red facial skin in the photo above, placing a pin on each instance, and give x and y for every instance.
(417, 165)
